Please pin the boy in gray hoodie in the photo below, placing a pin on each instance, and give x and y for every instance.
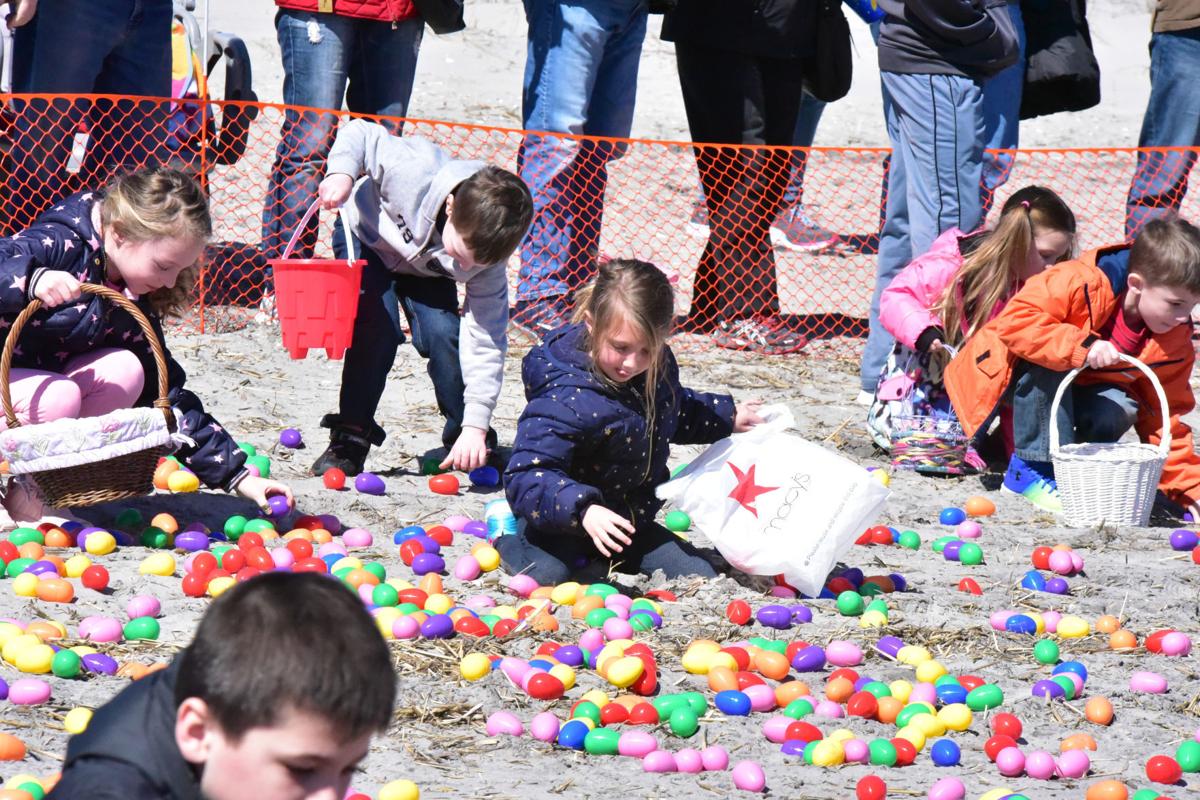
(423, 222)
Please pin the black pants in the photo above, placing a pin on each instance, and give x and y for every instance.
(731, 98)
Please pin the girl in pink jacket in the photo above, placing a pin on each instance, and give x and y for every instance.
(945, 295)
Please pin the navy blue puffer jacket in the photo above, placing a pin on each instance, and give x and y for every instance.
(581, 441)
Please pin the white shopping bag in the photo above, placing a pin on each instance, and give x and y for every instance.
(774, 503)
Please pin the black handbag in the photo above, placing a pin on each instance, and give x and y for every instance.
(1061, 72)
(828, 71)
(443, 16)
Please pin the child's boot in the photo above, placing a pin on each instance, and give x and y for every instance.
(1033, 480)
(348, 446)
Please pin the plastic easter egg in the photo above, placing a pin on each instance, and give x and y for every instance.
(677, 521)
(443, 484)
(141, 628)
(278, 505)
(143, 605)
(100, 664)
(334, 478)
(1175, 644)
(968, 530)
(369, 483)
(1073, 763)
(952, 516)
(55, 590)
(947, 789)
(985, 697)
(1073, 627)
(945, 753)
(486, 476)
(1183, 540)
(843, 653)
(28, 692)
(100, 543)
(182, 481)
(738, 612)
(488, 558)
(909, 540)
(774, 616)
(732, 702)
(1077, 741)
(809, 659)
(162, 564)
(979, 506)
(1011, 762)
(1147, 682)
(1107, 790)
(427, 563)
(883, 752)
(544, 727)
(659, 761)
(1060, 562)
(970, 554)
(77, 720)
(1040, 765)
(290, 437)
(1163, 769)
(399, 790)
(503, 723)
(474, 666)
(749, 776)
(1098, 710)
(66, 664)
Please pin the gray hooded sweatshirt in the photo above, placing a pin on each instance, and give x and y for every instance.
(393, 210)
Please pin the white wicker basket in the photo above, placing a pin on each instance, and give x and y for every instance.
(1112, 483)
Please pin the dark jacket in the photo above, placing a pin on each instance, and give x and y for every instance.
(128, 751)
(581, 442)
(768, 28)
(970, 38)
(63, 239)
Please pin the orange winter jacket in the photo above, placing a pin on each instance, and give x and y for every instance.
(1052, 321)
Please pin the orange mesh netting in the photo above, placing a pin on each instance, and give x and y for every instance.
(652, 202)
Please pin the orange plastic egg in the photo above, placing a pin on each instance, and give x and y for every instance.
(59, 564)
(358, 577)
(1108, 624)
(585, 605)
(165, 522)
(11, 748)
(44, 630)
(1122, 639)
(544, 623)
(321, 536)
(889, 709)
(839, 689)
(162, 471)
(31, 550)
(1107, 790)
(1077, 741)
(431, 584)
(298, 533)
(55, 590)
(979, 507)
(15, 794)
(721, 679)
(771, 664)
(1098, 710)
(57, 537)
(788, 691)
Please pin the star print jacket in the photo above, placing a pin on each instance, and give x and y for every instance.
(581, 441)
(63, 239)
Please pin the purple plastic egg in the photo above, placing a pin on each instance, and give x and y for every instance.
(889, 645)
(475, 528)
(290, 437)
(369, 483)
(1058, 586)
(570, 655)
(42, 568)
(428, 562)
(191, 541)
(278, 506)
(438, 626)
(809, 659)
(1182, 539)
(801, 615)
(100, 664)
(950, 553)
(3, 689)
(778, 617)
(793, 747)
(331, 523)
(1048, 689)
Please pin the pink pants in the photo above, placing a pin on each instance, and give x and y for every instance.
(90, 385)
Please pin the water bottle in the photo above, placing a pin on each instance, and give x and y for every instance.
(499, 518)
(867, 10)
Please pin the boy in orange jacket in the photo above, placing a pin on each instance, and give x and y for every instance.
(1132, 299)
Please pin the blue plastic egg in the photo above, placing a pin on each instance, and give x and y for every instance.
(486, 476)
(572, 734)
(1020, 623)
(950, 693)
(945, 753)
(1034, 581)
(404, 534)
(952, 516)
(733, 703)
(1071, 666)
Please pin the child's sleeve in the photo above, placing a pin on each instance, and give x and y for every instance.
(214, 457)
(366, 148)
(704, 417)
(906, 305)
(25, 255)
(1034, 326)
(482, 344)
(1180, 479)
(537, 482)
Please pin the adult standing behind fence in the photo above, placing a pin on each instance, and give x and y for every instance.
(581, 72)
(118, 47)
(364, 50)
(741, 69)
(1172, 115)
(934, 56)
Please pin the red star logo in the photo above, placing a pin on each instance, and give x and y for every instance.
(746, 489)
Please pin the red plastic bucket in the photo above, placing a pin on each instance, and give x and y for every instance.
(316, 298)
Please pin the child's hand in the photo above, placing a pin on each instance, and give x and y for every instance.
(21, 12)
(469, 451)
(335, 190)
(56, 288)
(747, 416)
(256, 489)
(1103, 354)
(606, 528)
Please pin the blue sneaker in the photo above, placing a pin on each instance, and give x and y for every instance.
(1033, 480)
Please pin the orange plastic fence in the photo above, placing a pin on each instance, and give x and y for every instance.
(652, 201)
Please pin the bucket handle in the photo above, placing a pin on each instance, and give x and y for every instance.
(312, 209)
(1164, 444)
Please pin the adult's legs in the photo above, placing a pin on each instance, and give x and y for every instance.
(1172, 120)
(1002, 118)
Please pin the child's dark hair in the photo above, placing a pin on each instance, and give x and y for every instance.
(492, 211)
(1167, 253)
(289, 640)
(159, 203)
(992, 271)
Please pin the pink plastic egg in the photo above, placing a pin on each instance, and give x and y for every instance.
(1051, 619)
(478, 602)
(467, 568)
(503, 723)
(857, 751)
(749, 777)
(28, 692)
(405, 628)
(716, 759)
(522, 585)
(657, 761)
(515, 669)
(1176, 644)
(1039, 765)
(843, 654)
(357, 537)
(637, 744)
(100, 629)
(366, 592)
(616, 628)
(618, 601)
(331, 548)
(1076, 561)
(775, 728)
(785, 592)
(762, 697)
(923, 693)
(143, 605)
(1011, 762)
(947, 789)
(829, 710)
(1060, 562)
(283, 558)
(1074, 763)
(999, 618)
(456, 522)
(1148, 682)
(544, 727)
(968, 530)
(687, 760)
(592, 640)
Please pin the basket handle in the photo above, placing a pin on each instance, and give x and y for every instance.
(312, 209)
(1164, 444)
(160, 360)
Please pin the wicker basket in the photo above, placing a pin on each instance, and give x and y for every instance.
(104, 479)
(1112, 483)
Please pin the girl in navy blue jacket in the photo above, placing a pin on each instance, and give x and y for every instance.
(79, 356)
(604, 405)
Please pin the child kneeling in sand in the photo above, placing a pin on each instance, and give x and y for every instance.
(605, 403)
(1136, 300)
(277, 696)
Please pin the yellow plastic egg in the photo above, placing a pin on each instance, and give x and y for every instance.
(563, 594)
(1073, 627)
(489, 559)
(597, 696)
(400, 790)
(698, 655)
(828, 753)
(872, 619)
(182, 481)
(474, 666)
(883, 477)
(14, 646)
(842, 735)
(928, 724)
(930, 671)
(218, 586)
(9, 631)
(956, 716)
(100, 543)
(504, 612)
(385, 628)
(996, 794)
(725, 660)
(655, 606)
(565, 675)
(82, 650)
(16, 780)
(77, 719)
(623, 672)
(438, 604)
(25, 585)
(346, 562)
(901, 690)
(913, 734)
(399, 584)
(35, 659)
(913, 655)
(162, 564)
(76, 565)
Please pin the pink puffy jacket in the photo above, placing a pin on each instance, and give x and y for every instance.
(906, 306)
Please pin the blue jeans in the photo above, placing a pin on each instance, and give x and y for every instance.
(81, 46)
(430, 306)
(1002, 116)
(580, 78)
(935, 123)
(553, 558)
(1172, 120)
(371, 62)
(811, 110)
(1089, 413)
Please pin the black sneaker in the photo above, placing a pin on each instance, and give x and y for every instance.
(347, 451)
(768, 336)
(539, 317)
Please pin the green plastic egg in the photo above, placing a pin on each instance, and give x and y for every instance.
(376, 569)
(601, 742)
(141, 628)
(66, 664)
(798, 708)
(970, 554)
(598, 616)
(248, 448)
(910, 540)
(984, 697)
(683, 722)
(600, 590)
(235, 526)
(21, 536)
(259, 525)
(385, 595)
(587, 709)
(1188, 755)
(130, 519)
(677, 521)
(262, 463)
(1046, 652)
(156, 538)
(850, 603)
(882, 752)
(939, 544)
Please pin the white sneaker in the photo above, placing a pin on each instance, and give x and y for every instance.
(864, 398)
